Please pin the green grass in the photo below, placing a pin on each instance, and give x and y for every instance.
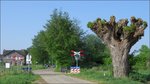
(21, 78)
(37, 67)
(15, 75)
(97, 76)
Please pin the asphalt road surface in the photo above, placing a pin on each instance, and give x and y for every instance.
(51, 77)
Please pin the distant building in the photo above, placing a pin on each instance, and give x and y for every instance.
(14, 57)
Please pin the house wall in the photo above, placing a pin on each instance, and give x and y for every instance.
(11, 58)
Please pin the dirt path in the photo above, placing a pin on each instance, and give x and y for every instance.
(58, 78)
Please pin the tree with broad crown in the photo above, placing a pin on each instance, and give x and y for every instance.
(63, 34)
(119, 37)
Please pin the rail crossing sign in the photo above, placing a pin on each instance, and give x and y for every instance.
(80, 53)
(77, 56)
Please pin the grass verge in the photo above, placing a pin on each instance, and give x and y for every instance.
(15, 75)
(22, 78)
(103, 77)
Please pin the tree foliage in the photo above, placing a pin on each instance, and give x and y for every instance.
(143, 58)
(96, 52)
(53, 44)
(37, 50)
(63, 35)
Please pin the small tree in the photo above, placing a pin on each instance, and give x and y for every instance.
(119, 37)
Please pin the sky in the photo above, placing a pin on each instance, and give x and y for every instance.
(22, 20)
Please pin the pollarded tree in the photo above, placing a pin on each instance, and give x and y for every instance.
(119, 37)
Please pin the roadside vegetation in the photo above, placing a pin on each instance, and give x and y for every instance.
(15, 75)
(18, 78)
(37, 67)
(139, 70)
(61, 34)
(100, 76)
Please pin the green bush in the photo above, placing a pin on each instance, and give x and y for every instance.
(139, 77)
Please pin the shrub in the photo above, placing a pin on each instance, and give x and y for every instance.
(138, 77)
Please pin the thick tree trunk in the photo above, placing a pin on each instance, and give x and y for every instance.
(120, 60)
(119, 37)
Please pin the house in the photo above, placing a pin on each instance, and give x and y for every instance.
(14, 57)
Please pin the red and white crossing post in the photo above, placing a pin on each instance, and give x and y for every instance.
(77, 55)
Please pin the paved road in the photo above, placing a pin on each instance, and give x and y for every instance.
(58, 78)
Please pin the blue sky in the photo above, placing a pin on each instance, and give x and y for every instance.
(21, 20)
